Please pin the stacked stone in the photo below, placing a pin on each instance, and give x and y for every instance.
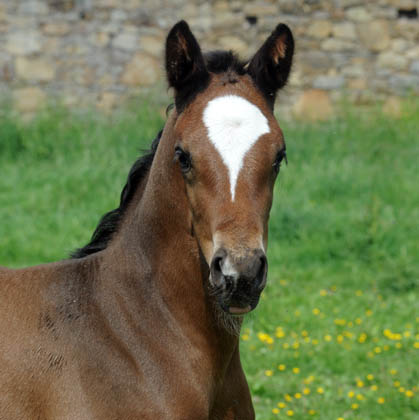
(101, 52)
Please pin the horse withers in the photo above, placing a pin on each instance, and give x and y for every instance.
(143, 322)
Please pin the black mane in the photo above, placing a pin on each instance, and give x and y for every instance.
(224, 62)
(109, 222)
(216, 62)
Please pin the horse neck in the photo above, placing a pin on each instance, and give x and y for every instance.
(157, 243)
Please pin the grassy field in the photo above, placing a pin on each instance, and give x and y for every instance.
(336, 335)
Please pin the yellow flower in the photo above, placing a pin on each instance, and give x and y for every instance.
(368, 312)
(269, 372)
(297, 313)
(298, 395)
(339, 338)
(393, 371)
(401, 389)
(396, 384)
(351, 394)
(306, 391)
(399, 345)
(377, 349)
(281, 405)
(358, 292)
(288, 397)
(362, 338)
(290, 413)
(354, 406)
(341, 418)
(409, 393)
(381, 400)
(359, 383)
(416, 345)
(360, 397)
(370, 376)
(304, 333)
(323, 292)
(281, 367)
(296, 370)
(320, 390)
(373, 387)
(275, 410)
(315, 342)
(312, 412)
(245, 337)
(328, 337)
(316, 311)
(358, 321)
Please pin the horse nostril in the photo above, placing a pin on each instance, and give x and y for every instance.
(216, 271)
(262, 272)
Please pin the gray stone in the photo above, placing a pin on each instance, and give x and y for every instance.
(33, 7)
(126, 41)
(405, 83)
(345, 30)
(338, 45)
(23, 42)
(358, 14)
(414, 67)
(328, 82)
(392, 60)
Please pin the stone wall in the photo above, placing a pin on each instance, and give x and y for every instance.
(103, 51)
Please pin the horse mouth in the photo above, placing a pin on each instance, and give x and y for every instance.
(238, 311)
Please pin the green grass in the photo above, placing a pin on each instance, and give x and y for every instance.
(342, 297)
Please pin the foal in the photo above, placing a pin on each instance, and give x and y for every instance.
(143, 323)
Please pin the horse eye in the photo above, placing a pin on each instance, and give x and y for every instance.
(184, 159)
(282, 155)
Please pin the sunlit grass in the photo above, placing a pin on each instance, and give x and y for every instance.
(336, 334)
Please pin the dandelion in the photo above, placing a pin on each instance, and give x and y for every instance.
(359, 383)
(373, 387)
(377, 350)
(282, 367)
(306, 391)
(401, 389)
(323, 292)
(245, 337)
(339, 338)
(315, 342)
(288, 397)
(409, 393)
(286, 346)
(340, 418)
(416, 345)
(269, 372)
(381, 400)
(399, 345)
(351, 394)
(360, 397)
(320, 390)
(406, 334)
(281, 404)
(304, 333)
(328, 337)
(368, 312)
(362, 338)
(290, 413)
(311, 412)
(393, 371)
(370, 376)
(275, 410)
(316, 311)
(296, 370)
(396, 384)
(354, 406)
(358, 292)
(298, 395)
(358, 321)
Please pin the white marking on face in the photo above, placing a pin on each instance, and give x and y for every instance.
(234, 125)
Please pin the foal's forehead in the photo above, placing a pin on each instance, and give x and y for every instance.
(234, 125)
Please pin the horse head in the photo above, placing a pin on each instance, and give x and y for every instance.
(228, 149)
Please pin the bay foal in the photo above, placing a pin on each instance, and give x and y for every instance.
(143, 322)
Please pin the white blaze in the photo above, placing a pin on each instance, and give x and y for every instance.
(234, 125)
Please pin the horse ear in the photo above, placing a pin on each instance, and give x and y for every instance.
(185, 66)
(271, 65)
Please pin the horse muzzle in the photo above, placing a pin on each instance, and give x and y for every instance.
(238, 280)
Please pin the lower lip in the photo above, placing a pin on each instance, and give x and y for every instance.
(239, 311)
